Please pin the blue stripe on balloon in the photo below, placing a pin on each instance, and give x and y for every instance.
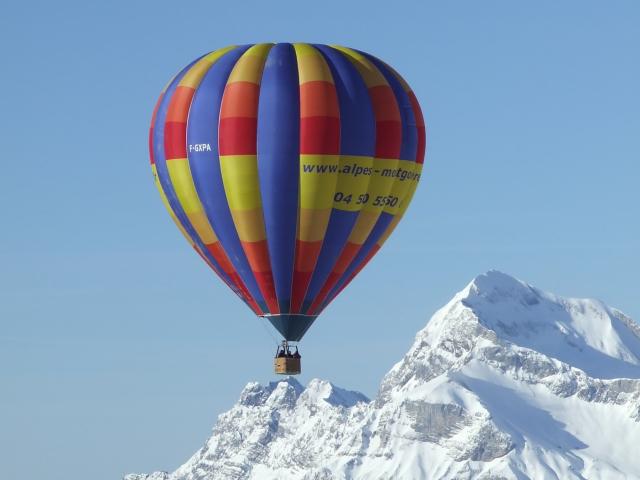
(202, 129)
(357, 120)
(340, 225)
(165, 181)
(380, 227)
(407, 152)
(278, 163)
(357, 137)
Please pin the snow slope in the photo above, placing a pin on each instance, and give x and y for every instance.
(505, 381)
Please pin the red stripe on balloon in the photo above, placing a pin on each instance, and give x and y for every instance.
(347, 255)
(258, 257)
(179, 106)
(241, 100)
(175, 136)
(422, 135)
(318, 99)
(388, 122)
(306, 257)
(355, 273)
(238, 136)
(216, 250)
(388, 139)
(175, 140)
(320, 135)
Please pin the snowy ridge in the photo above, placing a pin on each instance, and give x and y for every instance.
(505, 381)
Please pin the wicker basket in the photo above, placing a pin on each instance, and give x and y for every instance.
(286, 365)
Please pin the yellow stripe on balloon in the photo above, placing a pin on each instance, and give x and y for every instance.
(249, 225)
(354, 174)
(242, 188)
(241, 181)
(195, 74)
(379, 192)
(312, 224)
(403, 206)
(201, 224)
(249, 66)
(403, 178)
(166, 204)
(364, 224)
(182, 182)
(369, 73)
(318, 180)
(380, 184)
(413, 185)
(312, 66)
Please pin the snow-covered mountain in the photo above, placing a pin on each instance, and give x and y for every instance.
(504, 382)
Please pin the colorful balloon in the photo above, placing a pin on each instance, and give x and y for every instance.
(287, 167)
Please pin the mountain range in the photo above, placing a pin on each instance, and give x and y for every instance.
(504, 382)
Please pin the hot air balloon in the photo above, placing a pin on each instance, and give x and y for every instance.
(287, 166)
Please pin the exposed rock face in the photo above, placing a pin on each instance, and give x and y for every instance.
(505, 381)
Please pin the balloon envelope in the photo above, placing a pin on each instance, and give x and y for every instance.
(287, 166)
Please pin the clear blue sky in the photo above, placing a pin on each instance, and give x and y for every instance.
(118, 347)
